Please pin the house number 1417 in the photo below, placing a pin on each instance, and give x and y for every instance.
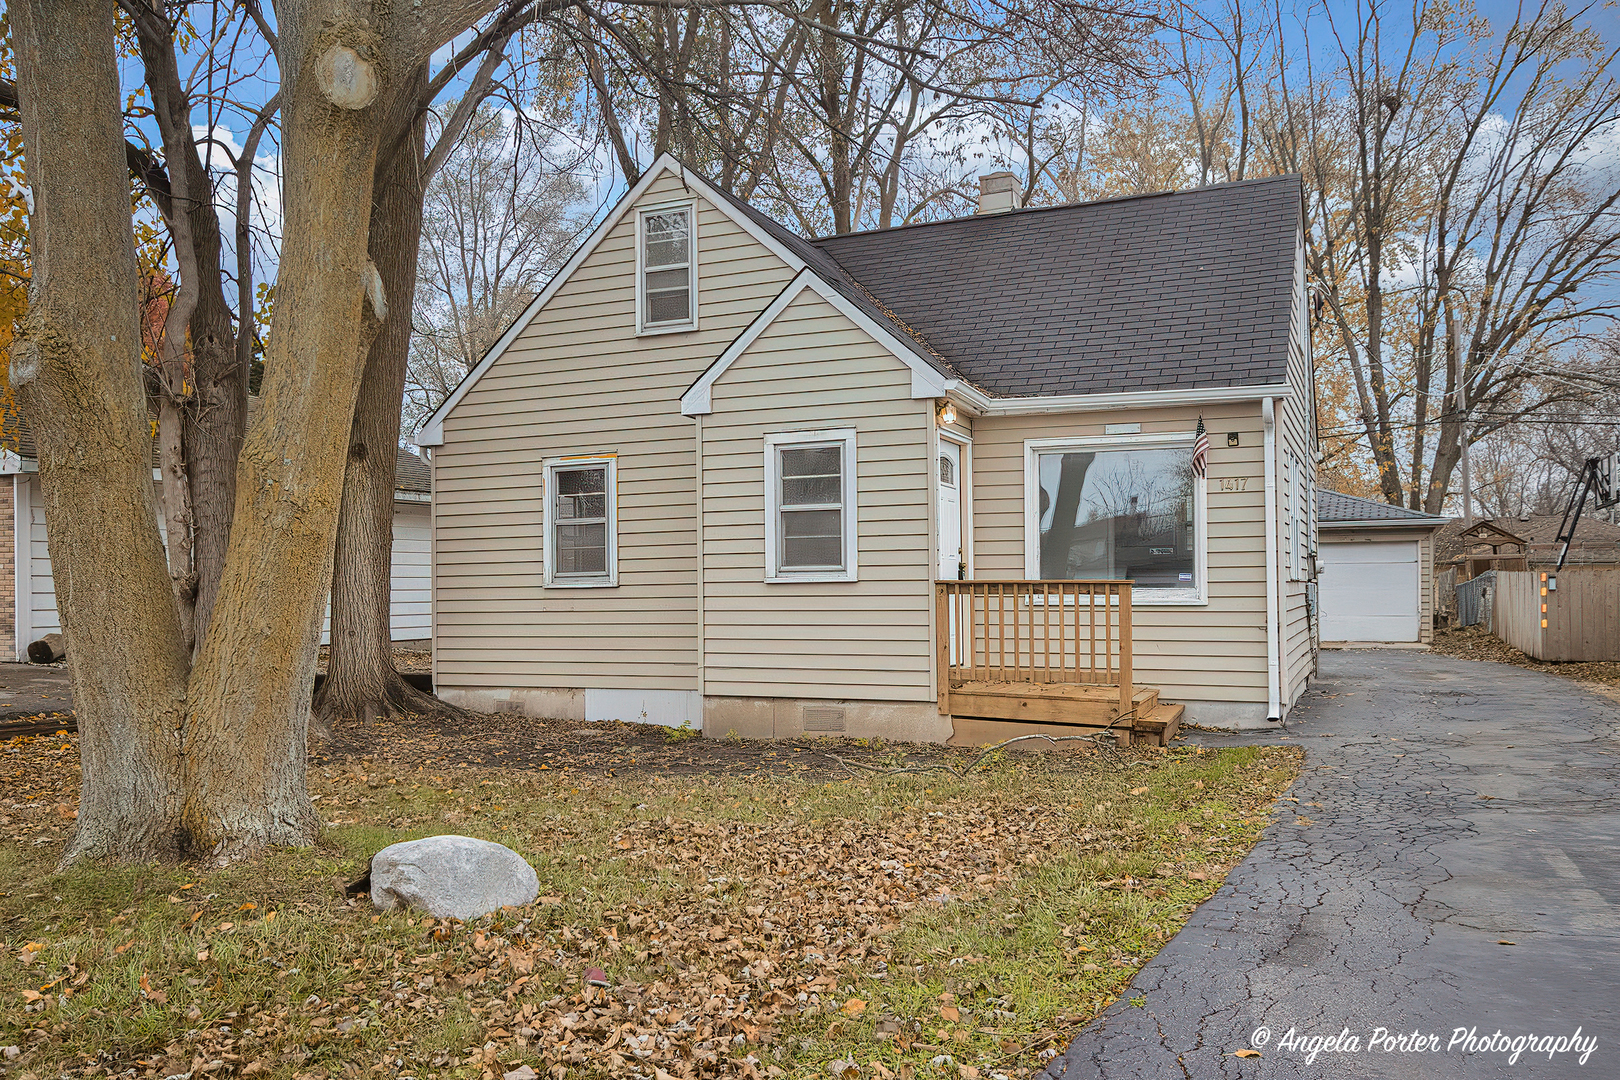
(1234, 483)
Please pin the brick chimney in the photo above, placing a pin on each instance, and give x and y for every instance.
(998, 193)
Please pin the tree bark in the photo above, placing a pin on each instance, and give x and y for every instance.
(249, 704)
(77, 374)
(361, 680)
(203, 409)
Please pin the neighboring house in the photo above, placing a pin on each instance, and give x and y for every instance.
(1376, 571)
(1528, 542)
(714, 472)
(29, 612)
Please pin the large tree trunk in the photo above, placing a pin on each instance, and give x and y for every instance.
(77, 374)
(248, 709)
(361, 680)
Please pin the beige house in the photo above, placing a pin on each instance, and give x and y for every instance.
(720, 475)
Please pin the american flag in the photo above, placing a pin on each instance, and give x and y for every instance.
(1200, 461)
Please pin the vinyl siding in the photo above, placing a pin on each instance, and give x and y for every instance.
(1296, 432)
(865, 640)
(578, 380)
(1209, 652)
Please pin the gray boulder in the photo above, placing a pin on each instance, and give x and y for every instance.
(453, 877)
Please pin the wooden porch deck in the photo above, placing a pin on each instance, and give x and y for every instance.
(1043, 657)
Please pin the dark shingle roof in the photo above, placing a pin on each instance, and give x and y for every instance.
(828, 270)
(411, 473)
(1333, 507)
(1155, 292)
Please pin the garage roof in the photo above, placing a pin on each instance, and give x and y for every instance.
(1336, 510)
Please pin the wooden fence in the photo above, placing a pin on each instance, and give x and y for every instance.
(1571, 615)
(1475, 600)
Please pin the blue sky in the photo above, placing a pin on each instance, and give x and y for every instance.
(231, 127)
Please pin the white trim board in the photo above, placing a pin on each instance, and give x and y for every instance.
(431, 433)
(977, 403)
(690, 323)
(609, 579)
(849, 495)
(925, 381)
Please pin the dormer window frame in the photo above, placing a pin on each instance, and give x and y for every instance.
(644, 325)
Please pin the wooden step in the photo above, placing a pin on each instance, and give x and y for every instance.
(1046, 703)
(1160, 725)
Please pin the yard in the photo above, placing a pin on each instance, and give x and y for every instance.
(757, 909)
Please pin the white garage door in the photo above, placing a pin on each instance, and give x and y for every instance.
(1369, 591)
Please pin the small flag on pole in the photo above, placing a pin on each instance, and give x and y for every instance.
(1200, 461)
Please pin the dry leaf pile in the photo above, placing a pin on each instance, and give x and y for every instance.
(39, 788)
(687, 927)
(1473, 643)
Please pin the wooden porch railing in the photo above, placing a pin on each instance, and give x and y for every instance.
(1073, 632)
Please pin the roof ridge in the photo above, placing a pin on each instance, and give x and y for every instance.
(817, 241)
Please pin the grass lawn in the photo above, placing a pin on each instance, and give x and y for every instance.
(772, 923)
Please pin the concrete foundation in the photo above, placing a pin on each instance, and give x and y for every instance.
(551, 704)
(1242, 715)
(779, 718)
(792, 718)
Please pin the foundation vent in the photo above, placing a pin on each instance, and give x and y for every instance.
(823, 718)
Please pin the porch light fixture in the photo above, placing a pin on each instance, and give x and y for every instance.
(947, 414)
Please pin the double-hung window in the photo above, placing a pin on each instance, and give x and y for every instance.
(1117, 509)
(581, 544)
(810, 506)
(666, 278)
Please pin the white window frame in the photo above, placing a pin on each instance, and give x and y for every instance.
(1033, 448)
(1290, 515)
(775, 443)
(1299, 516)
(610, 579)
(643, 327)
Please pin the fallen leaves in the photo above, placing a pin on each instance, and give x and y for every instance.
(752, 928)
(151, 993)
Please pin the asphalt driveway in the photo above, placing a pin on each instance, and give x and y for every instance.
(1445, 809)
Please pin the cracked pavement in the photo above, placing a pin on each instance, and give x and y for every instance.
(1444, 806)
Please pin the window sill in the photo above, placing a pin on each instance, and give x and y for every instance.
(810, 576)
(1139, 598)
(593, 583)
(673, 328)
(1170, 598)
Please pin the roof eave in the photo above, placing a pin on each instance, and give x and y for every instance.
(1383, 523)
(978, 403)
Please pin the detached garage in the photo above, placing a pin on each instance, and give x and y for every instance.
(1375, 571)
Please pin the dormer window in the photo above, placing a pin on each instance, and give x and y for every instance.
(666, 279)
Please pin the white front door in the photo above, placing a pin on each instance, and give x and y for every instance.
(948, 473)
